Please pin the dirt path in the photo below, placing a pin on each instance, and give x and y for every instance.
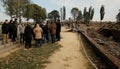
(2, 55)
(70, 55)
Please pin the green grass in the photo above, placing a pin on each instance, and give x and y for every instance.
(35, 58)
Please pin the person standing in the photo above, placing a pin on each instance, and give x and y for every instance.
(14, 30)
(5, 31)
(58, 30)
(10, 29)
(38, 35)
(28, 36)
(53, 31)
(21, 30)
(46, 33)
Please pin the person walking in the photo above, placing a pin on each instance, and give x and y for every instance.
(38, 35)
(53, 31)
(5, 31)
(58, 30)
(28, 36)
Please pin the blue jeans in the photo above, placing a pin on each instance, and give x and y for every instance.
(38, 42)
(46, 37)
(53, 38)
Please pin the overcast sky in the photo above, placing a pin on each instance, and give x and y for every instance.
(111, 7)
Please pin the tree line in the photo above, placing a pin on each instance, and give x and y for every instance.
(24, 8)
(29, 10)
(87, 15)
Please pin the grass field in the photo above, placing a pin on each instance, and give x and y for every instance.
(35, 58)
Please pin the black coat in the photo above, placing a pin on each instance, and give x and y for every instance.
(14, 26)
(5, 28)
(58, 29)
(28, 33)
(45, 29)
(11, 27)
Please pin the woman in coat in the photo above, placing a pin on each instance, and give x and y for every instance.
(38, 35)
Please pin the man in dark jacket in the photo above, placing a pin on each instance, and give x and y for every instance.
(58, 30)
(10, 29)
(5, 31)
(15, 25)
(46, 33)
(14, 30)
(28, 33)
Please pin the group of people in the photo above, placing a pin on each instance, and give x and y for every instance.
(40, 32)
(9, 30)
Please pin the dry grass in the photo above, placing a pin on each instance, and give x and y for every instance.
(35, 58)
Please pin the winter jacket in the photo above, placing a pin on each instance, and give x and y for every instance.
(53, 28)
(45, 29)
(5, 28)
(28, 32)
(13, 27)
(58, 27)
(38, 32)
(21, 28)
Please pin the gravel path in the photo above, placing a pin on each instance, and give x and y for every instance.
(71, 55)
